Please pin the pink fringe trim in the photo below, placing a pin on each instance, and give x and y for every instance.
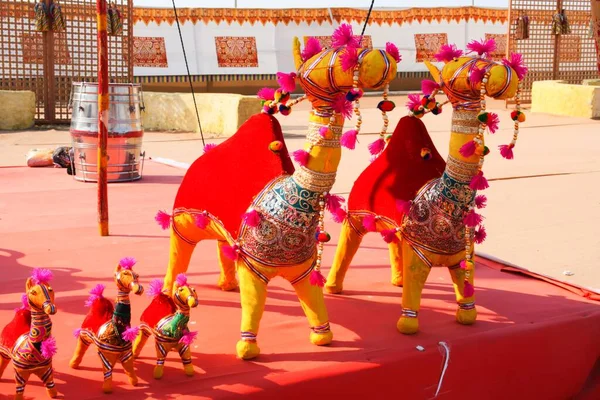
(344, 36)
(252, 218)
(390, 236)
(201, 220)
(370, 223)
(181, 280)
(95, 294)
(127, 262)
(317, 278)
(339, 216)
(517, 64)
(266, 94)
(41, 276)
(506, 151)
(312, 47)
(24, 303)
(468, 149)
(414, 101)
(188, 338)
(49, 347)
(483, 47)
(377, 146)
(163, 219)
(480, 201)
(493, 122)
(428, 86)
(448, 52)
(301, 157)
(155, 288)
(209, 147)
(349, 58)
(334, 202)
(130, 334)
(230, 252)
(468, 290)
(472, 219)
(342, 106)
(393, 51)
(479, 182)
(480, 235)
(323, 131)
(349, 139)
(287, 81)
(477, 75)
(403, 206)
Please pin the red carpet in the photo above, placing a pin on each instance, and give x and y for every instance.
(533, 340)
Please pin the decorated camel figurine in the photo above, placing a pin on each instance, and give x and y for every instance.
(277, 229)
(171, 332)
(27, 339)
(425, 208)
(109, 328)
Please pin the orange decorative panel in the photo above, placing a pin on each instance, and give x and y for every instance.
(236, 51)
(428, 44)
(149, 52)
(33, 49)
(501, 41)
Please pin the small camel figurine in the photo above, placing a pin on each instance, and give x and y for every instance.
(171, 331)
(113, 338)
(27, 339)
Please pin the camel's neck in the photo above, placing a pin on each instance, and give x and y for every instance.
(122, 297)
(41, 326)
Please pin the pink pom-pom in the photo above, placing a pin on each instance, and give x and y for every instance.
(208, 147)
(333, 202)
(472, 219)
(468, 149)
(370, 223)
(77, 332)
(463, 264)
(339, 216)
(342, 106)
(468, 290)
(393, 51)
(517, 64)
(377, 146)
(155, 288)
(480, 201)
(506, 151)
(312, 47)
(480, 235)
(483, 47)
(188, 338)
(130, 334)
(49, 347)
(414, 101)
(477, 75)
(252, 218)
(349, 139)
(478, 182)
(230, 252)
(181, 280)
(127, 262)
(323, 131)
(41, 276)
(390, 236)
(287, 81)
(266, 94)
(492, 122)
(163, 219)
(403, 206)
(343, 36)
(95, 294)
(448, 52)
(201, 220)
(349, 58)
(301, 157)
(428, 86)
(317, 278)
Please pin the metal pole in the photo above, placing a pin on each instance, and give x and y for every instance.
(102, 117)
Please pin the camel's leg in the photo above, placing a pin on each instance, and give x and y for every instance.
(180, 254)
(47, 376)
(162, 349)
(108, 363)
(414, 275)
(140, 342)
(227, 279)
(127, 363)
(186, 358)
(396, 263)
(466, 313)
(82, 345)
(253, 295)
(347, 246)
(4, 361)
(313, 304)
(21, 378)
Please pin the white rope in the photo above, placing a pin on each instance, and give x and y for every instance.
(446, 353)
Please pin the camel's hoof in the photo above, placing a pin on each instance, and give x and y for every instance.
(408, 326)
(333, 288)
(107, 387)
(397, 281)
(466, 317)
(247, 350)
(74, 363)
(158, 371)
(321, 339)
(228, 286)
(133, 381)
(19, 396)
(52, 393)
(188, 369)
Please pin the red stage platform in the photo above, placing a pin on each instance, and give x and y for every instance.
(533, 340)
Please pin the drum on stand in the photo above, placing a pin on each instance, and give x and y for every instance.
(125, 132)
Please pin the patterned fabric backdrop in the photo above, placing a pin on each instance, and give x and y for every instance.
(570, 48)
(236, 51)
(149, 52)
(33, 49)
(325, 41)
(501, 41)
(428, 44)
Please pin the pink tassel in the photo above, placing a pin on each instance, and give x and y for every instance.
(349, 58)
(287, 81)
(77, 332)
(266, 94)
(181, 280)
(506, 151)
(414, 101)
(468, 290)
(370, 223)
(477, 75)
(479, 182)
(393, 51)
(95, 294)
(463, 264)
(448, 52)
(468, 149)
(252, 218)
(163, 219)
(343, 36)
(472, 219)
(301, 157)
(517, 64)
(480, 235)
(201, 220)
(428, 86)
(349, 139)
(188, 338)
(403, 206)
(390, 236)
(377, 146)
(127, 262)
(342, 106)
(492, 122)
(334, 202)
(480, 201)
(41, 276)
(323, 131)
(209, 147)
(312, 47)
(49, 347)
(483, 47)
(130, 334)
(339, 216)
(156, 286)
(230, 252)
(317, 278)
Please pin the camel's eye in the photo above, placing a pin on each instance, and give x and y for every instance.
(33, 292)
(181, 289)
(49, 289)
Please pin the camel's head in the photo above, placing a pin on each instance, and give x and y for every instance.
(184, 295)
(40, 294)
(126, 278)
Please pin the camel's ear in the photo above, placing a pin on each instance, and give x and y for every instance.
(29, 284)
(118, 268)
(297, 53)
(434, 71)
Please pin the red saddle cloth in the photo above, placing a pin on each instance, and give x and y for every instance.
(225, 179)
(398, 173)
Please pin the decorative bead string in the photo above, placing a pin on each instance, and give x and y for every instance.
(357, 100)
(384, 113)
(321, 240)
(292, 103)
